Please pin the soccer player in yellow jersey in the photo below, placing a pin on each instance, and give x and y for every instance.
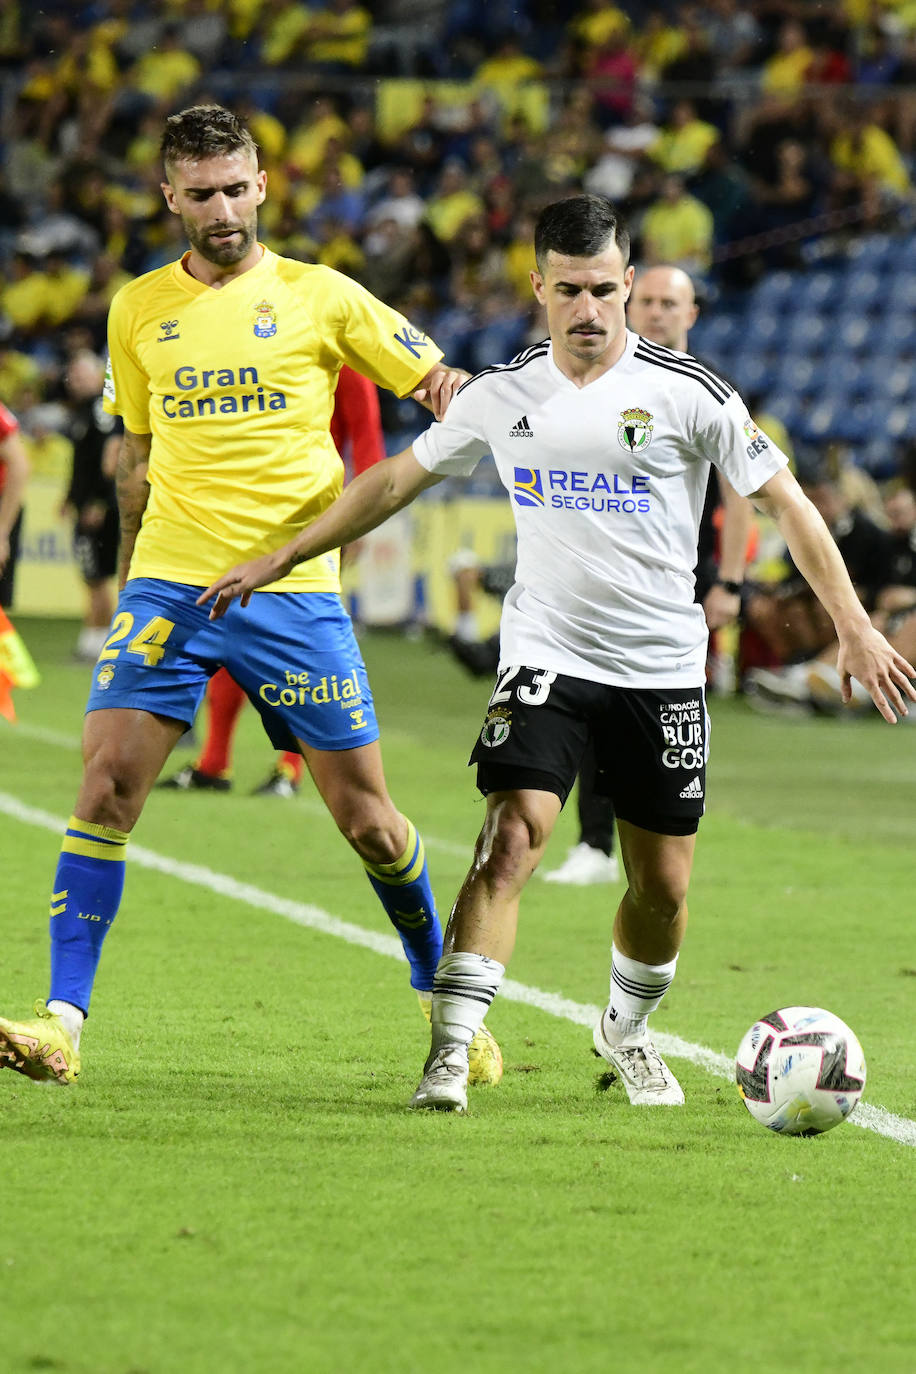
(223, 366)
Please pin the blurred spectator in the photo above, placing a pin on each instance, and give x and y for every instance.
(734, 34)
(870, 171)
(612, 71)
(677, 229)
(337, 38)
(725, 190)
(625, 147)
(787, 70)
(900, 509)
(683, 141)
(452, 203)
(400, 203)
(339, 204)
(166, 70)
(91, 500)
(14, 476)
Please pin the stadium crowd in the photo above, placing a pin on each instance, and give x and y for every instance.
(411, 146)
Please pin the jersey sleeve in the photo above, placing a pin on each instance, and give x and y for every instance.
(742, 452)
(126, 389)
(379, 342)
(454, 446)
(8, 423)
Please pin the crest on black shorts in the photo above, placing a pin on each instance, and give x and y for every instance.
(496, 727)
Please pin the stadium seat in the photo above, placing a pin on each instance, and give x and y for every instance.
(720, 335)
(774, 292)
(864, 289)
(800, 375)
(901, 289)
(819, 292)
(808, 331)
(788, 408)
(752, 371)
(899, 330)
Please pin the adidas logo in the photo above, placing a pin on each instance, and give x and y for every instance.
(693, 788)
(521, 429)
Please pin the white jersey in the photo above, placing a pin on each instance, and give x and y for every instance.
(607, 484)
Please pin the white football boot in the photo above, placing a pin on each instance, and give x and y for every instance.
(444, 1085)
(645, 1075)
(584, 866)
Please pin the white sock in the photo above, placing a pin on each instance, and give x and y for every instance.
(466, 627)
(463, 989)
(72, 1018)
(636, 990)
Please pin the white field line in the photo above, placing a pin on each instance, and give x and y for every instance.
(898, 1128)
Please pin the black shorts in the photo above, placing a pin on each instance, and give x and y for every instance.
(650, 745)
(96, 550)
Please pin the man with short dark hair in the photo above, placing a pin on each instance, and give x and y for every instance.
(604, 442)
(223, 366)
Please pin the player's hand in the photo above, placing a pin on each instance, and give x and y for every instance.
(438, 387)
(720, 607)
(240, 582)
(883, 672)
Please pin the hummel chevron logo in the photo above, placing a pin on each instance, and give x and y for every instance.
(521, 429)
(693, 788)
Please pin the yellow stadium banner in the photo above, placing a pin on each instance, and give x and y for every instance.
(482, 525)
(48, 581)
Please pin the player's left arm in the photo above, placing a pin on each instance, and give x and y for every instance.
(864, 653)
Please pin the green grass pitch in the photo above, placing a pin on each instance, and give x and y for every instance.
(235, 1184)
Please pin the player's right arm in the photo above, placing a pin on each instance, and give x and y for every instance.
(366, 502)
(133, 494)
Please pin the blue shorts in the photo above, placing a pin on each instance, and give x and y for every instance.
(294, 653)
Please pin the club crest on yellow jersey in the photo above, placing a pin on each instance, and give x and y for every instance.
(265, 320)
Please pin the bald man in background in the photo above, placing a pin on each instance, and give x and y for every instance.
(663, 309)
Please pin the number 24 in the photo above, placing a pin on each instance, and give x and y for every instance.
(148, 642)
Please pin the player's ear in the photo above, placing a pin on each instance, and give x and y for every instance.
(169, 192)
(262, 187)
(537, 286)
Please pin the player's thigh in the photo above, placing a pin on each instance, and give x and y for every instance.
(536, 729)
(296, 656)
(159, 654)
(651, 748)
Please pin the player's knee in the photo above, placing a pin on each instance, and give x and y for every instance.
(510, 844)
(376, 835)
(659, 897)
(111, 792)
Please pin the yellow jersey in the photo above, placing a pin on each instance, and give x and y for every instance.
(236, 387)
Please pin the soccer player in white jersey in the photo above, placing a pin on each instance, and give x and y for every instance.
(603, 441)
(223, 366)
(662, 308)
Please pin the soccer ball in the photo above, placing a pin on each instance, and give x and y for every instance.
(800, 1071)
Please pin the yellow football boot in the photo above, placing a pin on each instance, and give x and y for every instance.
(41, 1049)
(485, 1061)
